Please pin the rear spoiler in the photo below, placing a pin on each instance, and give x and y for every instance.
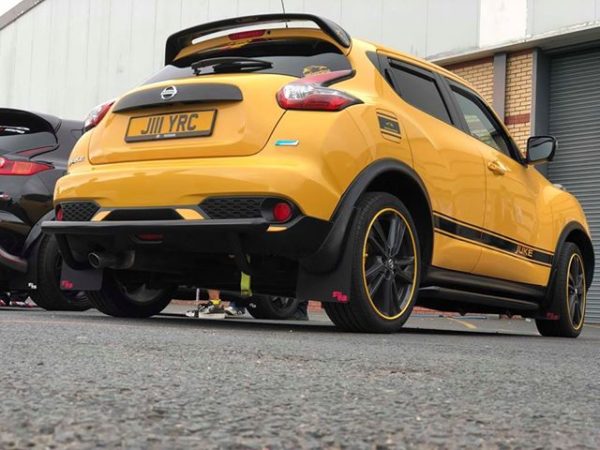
(18, 122)
(43, 121)
(183, 39)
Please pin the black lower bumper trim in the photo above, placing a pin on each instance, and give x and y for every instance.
(189, 238)
(152, 226)
(12, 262)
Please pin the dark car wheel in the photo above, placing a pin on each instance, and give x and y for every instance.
(137, 300)
(568, 294)
(48, 294)
(272, 307)
(386, 268)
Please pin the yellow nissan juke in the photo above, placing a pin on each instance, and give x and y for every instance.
(277, 149)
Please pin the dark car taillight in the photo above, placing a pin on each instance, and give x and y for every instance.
(313, 94)
(21, 168)
(96, 115)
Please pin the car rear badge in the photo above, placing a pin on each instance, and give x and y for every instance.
(168, 93)
(287, 143)
(76, 160)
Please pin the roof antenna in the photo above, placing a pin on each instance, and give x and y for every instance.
(287, 25)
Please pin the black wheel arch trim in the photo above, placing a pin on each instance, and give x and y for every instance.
(587, 251)
(24, 265)
(36, 232)
(328, 255)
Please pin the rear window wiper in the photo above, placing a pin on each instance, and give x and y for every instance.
(230, 64)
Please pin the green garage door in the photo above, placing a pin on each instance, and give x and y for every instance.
(574, 118)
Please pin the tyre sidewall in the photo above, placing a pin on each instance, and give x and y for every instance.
(265, 309)
(565, 326)
(368, 208)
(112, 301)
(49, 294)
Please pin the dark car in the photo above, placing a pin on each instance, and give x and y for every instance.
(34, 149)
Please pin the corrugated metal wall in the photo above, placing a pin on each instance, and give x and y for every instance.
(575, 121)
(65, 56)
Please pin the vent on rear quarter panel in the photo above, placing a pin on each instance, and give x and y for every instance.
(79, 211)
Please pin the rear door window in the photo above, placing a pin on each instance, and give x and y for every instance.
(419, 88)
(298, 57)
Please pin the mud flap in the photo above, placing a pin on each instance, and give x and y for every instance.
(80, 280)
(549, 309)
(333, 286)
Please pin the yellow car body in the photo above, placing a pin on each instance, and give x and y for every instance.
(481, 214)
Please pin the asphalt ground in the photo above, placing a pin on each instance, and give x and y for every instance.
(83, 380)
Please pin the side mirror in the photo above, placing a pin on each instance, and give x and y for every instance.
(541, 149)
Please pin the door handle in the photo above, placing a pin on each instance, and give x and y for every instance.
(497, 167)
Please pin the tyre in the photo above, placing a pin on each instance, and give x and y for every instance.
(49, 294)
(272, 307)
(386, 267)
(568, 295)
(132, 300)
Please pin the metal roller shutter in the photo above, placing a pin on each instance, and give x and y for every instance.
(574, 118)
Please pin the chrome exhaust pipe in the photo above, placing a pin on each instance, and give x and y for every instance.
(102, 260)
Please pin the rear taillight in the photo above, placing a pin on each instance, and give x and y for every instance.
(96, 115)
(21, 168)
(312, 93)
(60, 213)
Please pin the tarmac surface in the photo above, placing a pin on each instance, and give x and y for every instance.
(83, 380)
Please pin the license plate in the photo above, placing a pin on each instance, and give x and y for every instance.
(171, 126)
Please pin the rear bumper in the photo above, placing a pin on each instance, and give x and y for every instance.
(186, 183)
(189, 238)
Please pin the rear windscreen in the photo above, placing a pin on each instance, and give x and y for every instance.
(20, 131)
(297, 57)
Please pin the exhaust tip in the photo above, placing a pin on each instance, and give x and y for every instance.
(119, 261)
(95, 261)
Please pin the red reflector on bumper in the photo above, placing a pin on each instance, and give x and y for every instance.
(151, 237)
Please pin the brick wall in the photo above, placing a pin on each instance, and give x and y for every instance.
(518, 99)
(480, 73)
(518, 95)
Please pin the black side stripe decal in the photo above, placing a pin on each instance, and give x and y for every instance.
(479, 236)
(452, 219)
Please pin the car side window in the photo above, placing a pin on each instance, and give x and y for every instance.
(481, 123)
(420, 89)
